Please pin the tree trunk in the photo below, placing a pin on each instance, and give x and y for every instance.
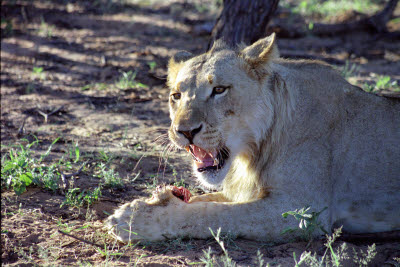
(243, 21)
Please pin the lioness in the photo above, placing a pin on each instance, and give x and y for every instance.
(272, 135)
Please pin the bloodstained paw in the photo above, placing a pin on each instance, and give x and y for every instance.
(182, 193)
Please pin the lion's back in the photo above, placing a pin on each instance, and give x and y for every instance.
(358, 134)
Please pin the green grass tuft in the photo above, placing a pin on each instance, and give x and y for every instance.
(331, 8)
(382, 83)
(127, 81)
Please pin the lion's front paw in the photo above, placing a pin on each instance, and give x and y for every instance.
(134, 221)
(161, 196)
(150, 219)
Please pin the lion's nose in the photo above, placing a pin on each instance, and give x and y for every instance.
(189, 134)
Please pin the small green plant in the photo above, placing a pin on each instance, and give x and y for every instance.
(16, 172)
(46, 177)
(209, 260)
(152, 65)
(211, 7)
(27, 256)
(368, 87)
(308, 222)
(76, 198)
(20, 168)
(111, 177)
(73, 198)
(260, 259)
(127, 81)
(154, 182)
(45, 30)
(106, 157)
(179, 183)
(48, 255)
(64, 226)
(303, 257)
(330, 8)
(382, 83)
(74, 152)
(348, 69)
(335, 257)
(311, 25)
(364, 258)
(72, 156)
(37, 72)
(385, 83)
(106, 253)
(138, 259)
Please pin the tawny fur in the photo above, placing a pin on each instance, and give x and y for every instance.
(298, 135)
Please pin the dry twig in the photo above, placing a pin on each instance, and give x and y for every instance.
(46, 115)
(80, 239)
(21, 129)
(64, 176)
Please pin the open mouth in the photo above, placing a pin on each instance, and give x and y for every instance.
(206, 160)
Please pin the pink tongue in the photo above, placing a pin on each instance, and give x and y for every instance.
(203, 156)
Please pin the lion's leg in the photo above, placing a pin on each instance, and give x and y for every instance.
(260, 219)
(212, 197)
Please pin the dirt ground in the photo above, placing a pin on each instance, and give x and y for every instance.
(66, 59)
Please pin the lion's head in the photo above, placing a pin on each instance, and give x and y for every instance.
(219, 106)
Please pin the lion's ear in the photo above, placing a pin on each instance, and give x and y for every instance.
(175, 64)
(261, 52)
(181, 56)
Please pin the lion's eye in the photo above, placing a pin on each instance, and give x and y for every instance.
(176, 96)
(219, 90)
